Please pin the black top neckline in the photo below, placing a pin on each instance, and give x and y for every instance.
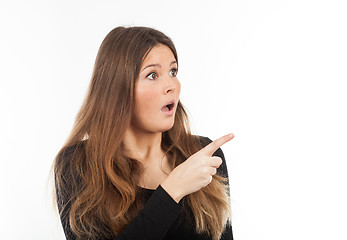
(149, 190)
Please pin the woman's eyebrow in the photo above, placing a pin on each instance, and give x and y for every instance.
(157, 65)
(151, 65)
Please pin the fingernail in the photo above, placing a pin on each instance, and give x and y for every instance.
(231, 135)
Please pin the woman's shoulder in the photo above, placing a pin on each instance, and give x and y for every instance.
(68, 152)
(205, 141)
(67, 171)
(66, 160)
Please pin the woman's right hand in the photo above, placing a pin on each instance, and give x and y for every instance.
(196, 172)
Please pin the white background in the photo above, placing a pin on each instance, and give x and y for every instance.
(272, 72)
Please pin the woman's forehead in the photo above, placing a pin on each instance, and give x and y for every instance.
(157, 54)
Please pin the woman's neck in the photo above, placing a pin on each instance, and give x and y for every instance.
(143, 146)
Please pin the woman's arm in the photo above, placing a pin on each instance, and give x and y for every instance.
(157, 216)
(152, 222)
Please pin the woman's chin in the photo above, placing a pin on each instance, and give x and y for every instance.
(166, 128)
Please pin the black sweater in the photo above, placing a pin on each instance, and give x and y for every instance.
(160, 217)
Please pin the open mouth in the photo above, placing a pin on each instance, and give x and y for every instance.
(168, 107)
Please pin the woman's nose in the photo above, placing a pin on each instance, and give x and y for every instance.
(170, 89)
(170, 86)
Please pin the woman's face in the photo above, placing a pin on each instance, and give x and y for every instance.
(157, 91)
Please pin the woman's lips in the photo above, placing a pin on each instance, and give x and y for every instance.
(168, 108)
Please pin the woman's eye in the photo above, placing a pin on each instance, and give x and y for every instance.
(152, 76)
(173, 72)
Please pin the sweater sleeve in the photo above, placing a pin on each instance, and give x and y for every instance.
(223, 171)
(153, 221)
(157, 216)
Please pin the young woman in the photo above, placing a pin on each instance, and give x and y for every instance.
(131, 169)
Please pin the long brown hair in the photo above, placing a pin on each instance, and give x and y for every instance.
(99, 174)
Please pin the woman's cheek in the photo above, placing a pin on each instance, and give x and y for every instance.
(147, 99)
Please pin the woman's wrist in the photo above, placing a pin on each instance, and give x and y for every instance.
(172, 190)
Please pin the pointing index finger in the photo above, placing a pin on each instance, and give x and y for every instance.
(213, 146)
